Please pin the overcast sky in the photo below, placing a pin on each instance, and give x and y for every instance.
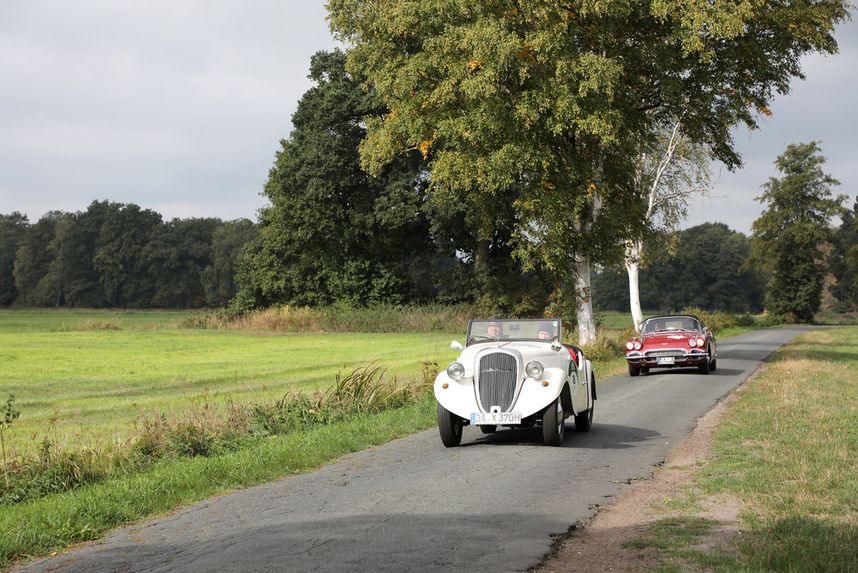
(179, 106)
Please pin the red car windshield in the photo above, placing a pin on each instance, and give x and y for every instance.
(670, 324)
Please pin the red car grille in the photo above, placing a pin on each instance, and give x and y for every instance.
(663, 353)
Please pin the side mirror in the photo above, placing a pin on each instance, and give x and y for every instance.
(456, 345)
(556, 346)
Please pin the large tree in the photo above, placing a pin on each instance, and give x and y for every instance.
(332, 232)
(795, 225)
(547, 100)
(843, 259)
(37, 285)
(12, 230)
(119, 257)
(218, 278)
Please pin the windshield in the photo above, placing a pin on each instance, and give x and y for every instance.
(670, 323)
(502, 329)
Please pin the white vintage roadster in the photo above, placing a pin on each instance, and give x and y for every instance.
(515, 373)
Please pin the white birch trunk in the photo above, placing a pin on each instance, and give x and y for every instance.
(586, 320)
(583, 290)
(633, 266)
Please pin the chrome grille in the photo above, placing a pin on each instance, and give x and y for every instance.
(497, 378)
(661, 353)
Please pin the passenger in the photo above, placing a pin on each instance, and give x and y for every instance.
(546, 331)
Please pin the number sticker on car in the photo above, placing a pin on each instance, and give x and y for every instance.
(665, 360)
(495, 418)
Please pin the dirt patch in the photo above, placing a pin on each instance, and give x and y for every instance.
(603, 543)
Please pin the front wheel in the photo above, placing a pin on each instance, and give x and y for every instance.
(634, 371)
(554, 423)
(450, 427)
(705, 367)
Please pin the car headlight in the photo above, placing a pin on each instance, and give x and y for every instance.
(629, 345)
(534, 369)
(638, 344)
(700, 342)
(456, 371)
(692, 342)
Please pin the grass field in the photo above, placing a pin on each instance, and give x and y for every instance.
(95, 383)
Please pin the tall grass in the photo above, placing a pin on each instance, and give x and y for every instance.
(381, 318)
(209, 429)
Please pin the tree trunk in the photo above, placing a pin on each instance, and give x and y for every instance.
(482, 255)
(586, 321)
(633, 265)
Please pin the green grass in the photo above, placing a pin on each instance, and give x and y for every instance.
(40, 526)
(96, 383)
(788, 452)
(59, 320)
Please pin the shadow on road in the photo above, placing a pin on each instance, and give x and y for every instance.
(601, 437)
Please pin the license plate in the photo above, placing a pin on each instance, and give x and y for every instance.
(495, 419)
(665, 360)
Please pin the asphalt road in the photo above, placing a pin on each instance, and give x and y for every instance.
(494, 504)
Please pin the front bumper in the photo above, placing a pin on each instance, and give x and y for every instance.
(681, 357)
(460, 396)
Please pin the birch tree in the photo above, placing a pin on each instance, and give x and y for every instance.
(668, 174)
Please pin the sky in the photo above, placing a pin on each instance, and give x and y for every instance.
(179, 107)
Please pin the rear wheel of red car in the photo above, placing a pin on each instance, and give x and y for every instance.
(554, 423)
(450, 427)
(634, 371)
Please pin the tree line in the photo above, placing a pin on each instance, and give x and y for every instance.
(119, 255)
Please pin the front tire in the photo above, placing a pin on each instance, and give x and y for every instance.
(554, 423)
(450, 427)
(713, 365)
(705, 367)
(634, 371)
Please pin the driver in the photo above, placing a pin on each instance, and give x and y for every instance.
(494, 330)
(546, 331)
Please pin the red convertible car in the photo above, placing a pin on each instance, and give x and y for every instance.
(671, 342)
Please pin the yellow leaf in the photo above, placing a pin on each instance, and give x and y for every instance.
(474, 64)
(424, 148)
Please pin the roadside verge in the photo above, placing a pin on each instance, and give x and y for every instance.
(766, 480)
